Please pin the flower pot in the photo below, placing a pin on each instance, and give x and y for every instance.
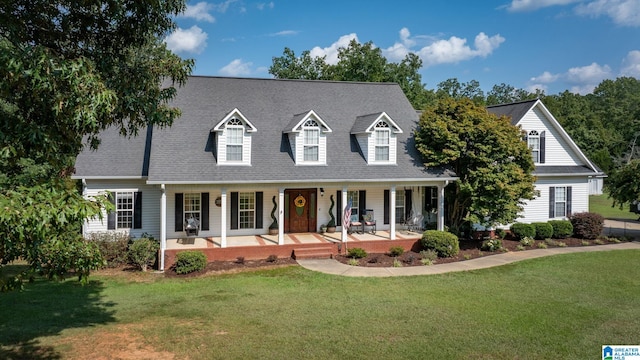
(331, 229)
(273, 231)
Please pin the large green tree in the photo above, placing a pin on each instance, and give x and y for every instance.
(493, 163)
(70, 69)
(356, 62)
(624, 184)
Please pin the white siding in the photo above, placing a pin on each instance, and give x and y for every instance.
(537, 210)
(150, 206)
(557, 150)
(222, 149)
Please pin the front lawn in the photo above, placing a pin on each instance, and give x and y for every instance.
(560, 307)
(602, 205)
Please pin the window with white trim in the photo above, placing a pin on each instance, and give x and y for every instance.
(382, 135)
(311, 140)
(533, 140)
(246, 209)
(400, 206)
(124, 210)
(560, 201)
(235, 139)
(354, 197)
(192, 206)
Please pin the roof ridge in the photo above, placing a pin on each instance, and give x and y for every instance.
(294, 80)
(514, 103)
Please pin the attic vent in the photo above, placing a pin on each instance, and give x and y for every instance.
(310, 123)
(382, 124)
(234, 121)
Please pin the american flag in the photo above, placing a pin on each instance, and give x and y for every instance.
(346, 221)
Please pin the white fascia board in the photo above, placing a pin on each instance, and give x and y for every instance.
(232, 113)
(387, 118)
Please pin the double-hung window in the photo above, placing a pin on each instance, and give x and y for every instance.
(533, 140)
(192, 206)
(559, 201)
(235, 138)
(400, 206)
(124, 210)
(382, 134)
(354, 197)
(311, 140)
(246, 209)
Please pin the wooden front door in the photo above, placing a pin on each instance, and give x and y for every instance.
(301, 210)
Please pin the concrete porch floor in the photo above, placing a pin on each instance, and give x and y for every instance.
(289, 239)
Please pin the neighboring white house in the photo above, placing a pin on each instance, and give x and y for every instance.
(564, 174)
(244, 148)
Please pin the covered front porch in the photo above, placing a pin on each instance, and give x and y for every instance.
(297, 245)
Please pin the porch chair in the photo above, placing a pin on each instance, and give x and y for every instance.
(356, 225)
(192, 226)
(415, 222)
(369, 221)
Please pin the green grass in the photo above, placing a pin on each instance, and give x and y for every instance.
(548, 308)
(601, 204)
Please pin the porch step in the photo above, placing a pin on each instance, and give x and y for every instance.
(318, 252)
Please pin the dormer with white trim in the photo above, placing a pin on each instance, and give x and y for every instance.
(308, 138)
(377, 137)
(233, 139)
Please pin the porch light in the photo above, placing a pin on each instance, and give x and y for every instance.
(321, 192)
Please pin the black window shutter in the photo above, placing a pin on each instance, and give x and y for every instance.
(179, 217)
(552, 200)
(408, 203)
(111, 217)
(137, 210)
(386, 206)
(362, 203)
(339, 208)
(542, 146)
(568, 201)
(234, 210)
(204, 211)
(259, 210)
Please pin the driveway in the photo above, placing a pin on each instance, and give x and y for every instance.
(630, 228)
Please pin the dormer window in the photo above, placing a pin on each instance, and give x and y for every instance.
(311, 141)
(308, 138)
(536, 142)
(377, 137)
(234, 139)
(382, 141)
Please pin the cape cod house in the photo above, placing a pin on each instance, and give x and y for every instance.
(245, 150)
(248, 151)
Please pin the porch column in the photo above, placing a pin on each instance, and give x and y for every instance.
(223, 218)
(392, 213)
(163, 224)
(441, 207)
(281, 206)
(341, 211)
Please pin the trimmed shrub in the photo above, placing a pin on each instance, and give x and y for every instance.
(543, 230)
(587, 225)
(521, 230)
(561, 228)
(429, 255)
(190, 261)
(112, 245)
(396, 251)
(444, 243)
(357, 253)
(492, 245)
(527, 241)
(142, 253)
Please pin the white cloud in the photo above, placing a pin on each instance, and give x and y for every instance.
(590, 74)
(545, 78)
(399, 50)
(237, 68)
(530, 5)
(622, 12)
(192, 40)
(199, 11)
(331, 52)
(533, 88)
(223, 7)
(285, 33)
(455, 49)
(262, 6)
(631, 64)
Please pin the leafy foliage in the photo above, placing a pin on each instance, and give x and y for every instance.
(521, 230)
(70, 70)
(396, 251)
(112, 245)
(491, 245)
(561, 228)
(544, 230)
(444, 243)
(143, 252)
(587, 225)
(624, 184)
(190, 261)
(488, 155)
(357, 253)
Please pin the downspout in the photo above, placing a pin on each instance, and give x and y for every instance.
(163, 224)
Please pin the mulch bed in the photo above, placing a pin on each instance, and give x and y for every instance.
(469, 249)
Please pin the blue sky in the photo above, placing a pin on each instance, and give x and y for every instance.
(553, 45)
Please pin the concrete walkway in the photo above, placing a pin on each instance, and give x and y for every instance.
(334, 267)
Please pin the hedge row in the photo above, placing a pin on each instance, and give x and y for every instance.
(584, 225)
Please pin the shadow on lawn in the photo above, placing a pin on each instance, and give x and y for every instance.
(45, 308)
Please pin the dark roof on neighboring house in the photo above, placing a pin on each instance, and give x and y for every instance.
(185, 152)
(514, 110)
(562, 170)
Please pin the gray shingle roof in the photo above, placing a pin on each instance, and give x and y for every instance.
(185, 152)
(514, 110)
(563, 170)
